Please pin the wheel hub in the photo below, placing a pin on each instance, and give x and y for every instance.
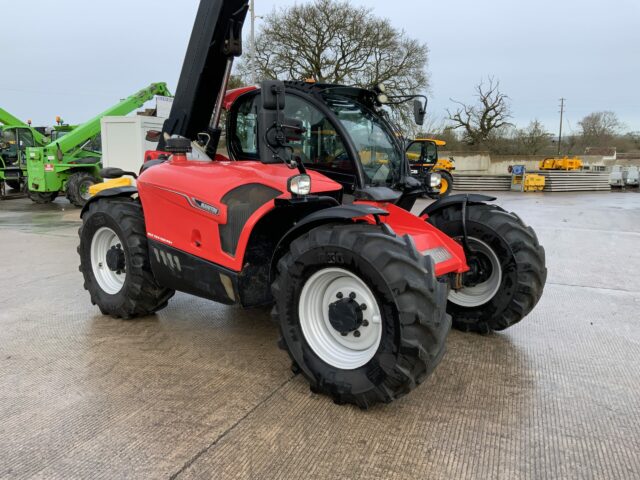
(480, 270)
(345, 315)
(482, 282)
(108, 260)
(340, 318)
(115, 259)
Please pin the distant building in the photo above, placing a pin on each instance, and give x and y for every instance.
(607, 153)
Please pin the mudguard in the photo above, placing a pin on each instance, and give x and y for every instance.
(340, 213)
(470, 199)
(110, 192)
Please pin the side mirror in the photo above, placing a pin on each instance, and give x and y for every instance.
(271, 134)
(419, 112)
(112, 172)
(153, 136)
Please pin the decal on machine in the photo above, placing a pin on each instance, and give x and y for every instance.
(205, 206)
(159, 238)
(167, 259)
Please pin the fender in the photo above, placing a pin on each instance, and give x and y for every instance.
(110, 192)
(470, 199)
(342, 213)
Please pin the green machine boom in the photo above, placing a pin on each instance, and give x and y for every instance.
(69, 164)
(15, 137)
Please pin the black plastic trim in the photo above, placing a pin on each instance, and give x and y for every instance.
(342, 213)
(181, 271)
(109, 192)
(459, 199)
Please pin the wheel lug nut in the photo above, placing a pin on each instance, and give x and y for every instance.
(365, 323)
(343, 334)
(352, 295)
(339, 295)
(363, 306)
(356, 333)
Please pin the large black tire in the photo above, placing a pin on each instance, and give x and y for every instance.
(412, 303)
(42, 197)
(522, 261)
(77, 189)
(140, 294)
(14, 184)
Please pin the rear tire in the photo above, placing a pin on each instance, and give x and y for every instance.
(396, 284)
(130, 290)
(77, 189)
(14, 184)
(513, 258)
(42, 198)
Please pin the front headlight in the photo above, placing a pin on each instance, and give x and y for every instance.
(435, 180)
(299, 185)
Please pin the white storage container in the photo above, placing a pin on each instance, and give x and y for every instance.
(123, 140)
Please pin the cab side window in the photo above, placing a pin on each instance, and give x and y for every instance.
(415, 152)
(319, 148)
(244, 126)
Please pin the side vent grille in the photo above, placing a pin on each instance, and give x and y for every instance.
(242, 202)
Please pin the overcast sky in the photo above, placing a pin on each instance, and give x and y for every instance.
(75, 57)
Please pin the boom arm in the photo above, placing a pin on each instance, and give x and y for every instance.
(10, 120)
(89, 129)
(215, 40)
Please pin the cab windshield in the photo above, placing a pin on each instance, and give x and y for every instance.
(379, 153)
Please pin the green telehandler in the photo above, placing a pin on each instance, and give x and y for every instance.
(68, 164)
(15, 137)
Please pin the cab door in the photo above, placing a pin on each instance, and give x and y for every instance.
(320, 147)
(25, 140)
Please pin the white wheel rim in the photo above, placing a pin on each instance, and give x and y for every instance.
(109, 281)
(482, 293)
(344, 352)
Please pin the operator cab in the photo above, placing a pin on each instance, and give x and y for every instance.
(422, 153)
(13, 146)
(343, 136)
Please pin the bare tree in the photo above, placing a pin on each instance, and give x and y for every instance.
(334, 42)
(534, 138)
(486, 117)
(598, 129)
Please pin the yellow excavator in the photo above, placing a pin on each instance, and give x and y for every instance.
(423, 157)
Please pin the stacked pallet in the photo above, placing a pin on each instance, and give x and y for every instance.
(476, 182)
(575, 181)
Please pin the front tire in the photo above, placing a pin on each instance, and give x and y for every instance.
(338, 280)
(114, 260)
(512, 263)
(42, 198)
(77, 189)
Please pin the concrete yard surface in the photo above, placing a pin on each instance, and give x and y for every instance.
(201, 390)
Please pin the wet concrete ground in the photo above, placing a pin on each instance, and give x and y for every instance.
(201, 391)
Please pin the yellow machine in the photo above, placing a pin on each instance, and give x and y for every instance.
(565, 163)
(118, 182)
(521, 181)
(423, 157)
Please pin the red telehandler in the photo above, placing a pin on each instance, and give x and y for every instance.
(311, 213)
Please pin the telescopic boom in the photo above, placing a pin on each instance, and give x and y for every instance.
(216, 40)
